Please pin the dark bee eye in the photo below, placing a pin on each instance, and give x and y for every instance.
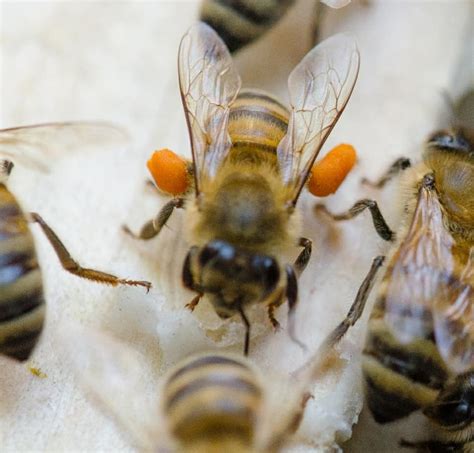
(269, 271)
(450, 414)
(214, 249)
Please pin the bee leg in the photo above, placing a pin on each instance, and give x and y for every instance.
(303, 258)
(68, 263)
(272, 306)
(189, 281)
(399, 165)
(292, 298)
(247, 329)
(154, 226)
(383, 230)
(194, 302)
(357, 307)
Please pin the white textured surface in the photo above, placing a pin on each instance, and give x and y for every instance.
(117, 61)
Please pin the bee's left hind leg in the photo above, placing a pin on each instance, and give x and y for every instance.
(70, 265)
(154, 226)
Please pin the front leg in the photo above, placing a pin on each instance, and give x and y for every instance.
(304, 256)
(154, 226)
(189, 280)
(70, 265)
(292, 298)
(379, 222)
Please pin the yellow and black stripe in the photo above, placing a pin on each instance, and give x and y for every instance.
(257, 123)
(239, 22)
(400, 378)
(212, 398)
(22, 308)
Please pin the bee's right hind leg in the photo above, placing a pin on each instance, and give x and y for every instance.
(380, 225)
(154, 226)
(398, 166)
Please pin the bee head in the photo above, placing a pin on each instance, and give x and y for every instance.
(239, 266)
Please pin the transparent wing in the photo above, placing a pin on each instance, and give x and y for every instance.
(115, 376)
(420, 268)
(209, 83)
(453, 313)
(319, 89)
(40, 144)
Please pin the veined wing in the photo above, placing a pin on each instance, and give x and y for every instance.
(209, 83)
(319, 88)
(420, 270)
(38, 145)
(453, 312)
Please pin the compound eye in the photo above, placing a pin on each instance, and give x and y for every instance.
(450, 414)
(216, 249)
(270, 272)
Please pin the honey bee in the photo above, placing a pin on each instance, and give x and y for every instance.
(212, 402)
(22, 305)
(251, 160)
(419, 352)
(241, 23)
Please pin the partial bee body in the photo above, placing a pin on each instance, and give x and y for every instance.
(211, 402)
(22, 308)
(22, 304)
(251, 159)
(420, 345)
(243, 22)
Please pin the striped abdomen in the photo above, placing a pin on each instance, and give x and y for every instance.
(213, 399)
(21, 292)
(239, 22)
(257, 123)
(400, 377)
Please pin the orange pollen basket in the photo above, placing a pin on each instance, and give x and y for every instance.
(329, 173)
(169, 171)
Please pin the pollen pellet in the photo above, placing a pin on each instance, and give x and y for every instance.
(329, 173)
(169, 171)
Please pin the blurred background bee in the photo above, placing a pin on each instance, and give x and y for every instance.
(242, 23)
(251, 160)
(419, 352)
(211, 402)
(22, 308)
